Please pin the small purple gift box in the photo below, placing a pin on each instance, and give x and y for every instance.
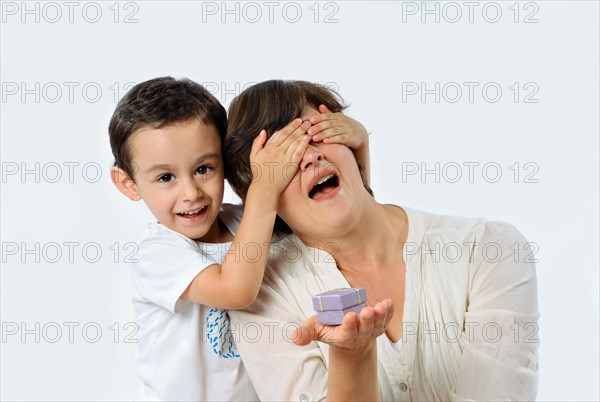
(339, 299)
(335, 317)
(331, 306)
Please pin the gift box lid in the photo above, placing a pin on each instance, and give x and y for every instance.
(339, 299)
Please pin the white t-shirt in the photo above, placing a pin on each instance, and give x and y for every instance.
(186, 351)
(469, 320)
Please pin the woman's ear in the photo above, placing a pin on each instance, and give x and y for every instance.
(124, 183)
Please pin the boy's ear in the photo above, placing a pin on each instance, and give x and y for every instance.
(124, 183)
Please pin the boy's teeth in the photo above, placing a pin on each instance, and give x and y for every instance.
(192, 213)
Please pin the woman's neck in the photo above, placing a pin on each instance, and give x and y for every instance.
(374, 241)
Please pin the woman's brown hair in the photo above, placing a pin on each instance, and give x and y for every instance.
(269, 105)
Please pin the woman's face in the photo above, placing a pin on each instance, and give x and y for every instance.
(325, 194)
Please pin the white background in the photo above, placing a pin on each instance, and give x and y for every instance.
(374, 53)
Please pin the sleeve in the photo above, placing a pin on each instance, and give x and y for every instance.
(167, 264)
(499, 360)
(279, 370)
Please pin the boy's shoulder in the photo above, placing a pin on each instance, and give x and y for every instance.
(156, 233)
(166, 263)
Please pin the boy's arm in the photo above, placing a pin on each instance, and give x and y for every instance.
(236, 282)
(338, 128)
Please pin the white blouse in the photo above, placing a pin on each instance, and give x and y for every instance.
(469, 323)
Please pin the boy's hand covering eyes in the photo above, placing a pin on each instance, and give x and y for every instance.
(337, 128)
(275, 162)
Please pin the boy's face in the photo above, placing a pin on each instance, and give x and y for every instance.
(179, 175)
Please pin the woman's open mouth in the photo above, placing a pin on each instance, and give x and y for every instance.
(324, 186)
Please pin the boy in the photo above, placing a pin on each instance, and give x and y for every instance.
(166, 137)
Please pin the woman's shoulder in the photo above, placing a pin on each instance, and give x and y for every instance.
(455, 226)
(231, 216)
(428, 222)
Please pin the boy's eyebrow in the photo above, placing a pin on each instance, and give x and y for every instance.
(164, 166)
(210, 155)
(159, 167)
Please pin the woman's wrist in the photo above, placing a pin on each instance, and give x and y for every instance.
(353, 374)
(351, 356)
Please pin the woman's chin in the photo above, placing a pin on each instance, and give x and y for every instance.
(337, 221)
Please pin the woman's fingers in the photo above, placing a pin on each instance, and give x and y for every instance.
(355, 332)
(366, 323)
(350, 326)
(307, 332)
(384, 312)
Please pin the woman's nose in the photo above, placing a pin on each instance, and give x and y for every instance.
(312, 158)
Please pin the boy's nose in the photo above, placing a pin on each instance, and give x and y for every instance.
(312, 158)
(191, 190)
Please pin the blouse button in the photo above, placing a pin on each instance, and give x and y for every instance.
(403, 387)
(304, 398)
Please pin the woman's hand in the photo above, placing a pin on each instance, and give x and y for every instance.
(354, 334)
(352, 371)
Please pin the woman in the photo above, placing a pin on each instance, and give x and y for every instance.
(465, 307)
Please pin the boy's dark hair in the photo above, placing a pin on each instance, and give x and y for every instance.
(159, 103)
(269, 105)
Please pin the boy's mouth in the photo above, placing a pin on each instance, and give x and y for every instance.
(192, 213)
(323, 185)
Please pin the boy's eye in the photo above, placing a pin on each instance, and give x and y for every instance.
(165, 178)
(203, 169)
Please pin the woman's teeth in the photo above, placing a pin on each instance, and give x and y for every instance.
(323, 179)
(323, 186)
